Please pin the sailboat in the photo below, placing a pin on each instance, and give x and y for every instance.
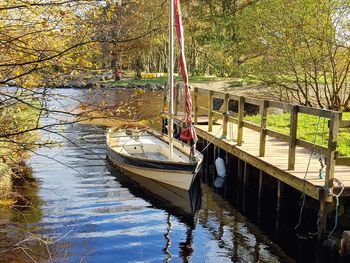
(155, 155)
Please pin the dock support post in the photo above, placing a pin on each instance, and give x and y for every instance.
(245, 179)
(322, 225)
(210, 111)
(278, 206)
(260, 196)
(215, 155)
(210, 164)
(239, 184)
(225, 121)
(195, 105)
(228, 172)
(240, 120)
(263, 113)
(292, 137)
(207, 172)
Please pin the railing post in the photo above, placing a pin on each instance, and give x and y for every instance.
(225, 112)
(210, 111)
(240, 120)
(332, 148)
(263, 114)
(292, 137)
(195, 105)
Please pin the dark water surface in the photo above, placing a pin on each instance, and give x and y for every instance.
(92, 213)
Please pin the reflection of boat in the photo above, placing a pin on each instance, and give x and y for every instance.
(178, 202)
(146, 153)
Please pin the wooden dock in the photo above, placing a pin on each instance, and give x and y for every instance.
(285, 157)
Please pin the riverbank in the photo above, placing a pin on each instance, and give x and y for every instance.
(17, 124)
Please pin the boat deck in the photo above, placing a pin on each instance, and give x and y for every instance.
(151, 155)
(146, 146)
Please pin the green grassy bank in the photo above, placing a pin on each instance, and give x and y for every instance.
(15, 118)
(309, 127)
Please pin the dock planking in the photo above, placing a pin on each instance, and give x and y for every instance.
(275, 160)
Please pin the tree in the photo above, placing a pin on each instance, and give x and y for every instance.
(300, 48)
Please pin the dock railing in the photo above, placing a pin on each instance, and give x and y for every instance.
(334, 123)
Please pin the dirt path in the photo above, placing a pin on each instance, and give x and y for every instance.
(227, 85)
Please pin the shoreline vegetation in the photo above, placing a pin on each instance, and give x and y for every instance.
(16, 118)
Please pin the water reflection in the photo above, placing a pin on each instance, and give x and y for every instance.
(176, 202)
(93, 214)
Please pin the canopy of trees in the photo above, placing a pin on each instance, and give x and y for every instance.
(299, 48)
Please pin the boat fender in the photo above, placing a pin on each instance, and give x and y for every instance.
(221, 172)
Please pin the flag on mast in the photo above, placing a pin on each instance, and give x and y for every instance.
(188, 134)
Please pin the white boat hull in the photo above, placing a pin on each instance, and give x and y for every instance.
(125, 155)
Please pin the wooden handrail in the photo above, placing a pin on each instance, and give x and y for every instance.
(334, 117)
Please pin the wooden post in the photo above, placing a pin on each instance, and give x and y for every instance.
(292, 137)
(240, 120)
(245, 179)
(239, 184)
(205, 160)
(278, 206)
(345, 244)
(332, 148)
(228, 172)
(322, 220)
(195, 105)
(260, 196)
(215, 155)
(210, 111)
(225, 121)
(210, 164)
(263, 114)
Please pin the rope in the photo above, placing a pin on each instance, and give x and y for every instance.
(322, 173)
(337, 203)
(306, 172)
(211, 139)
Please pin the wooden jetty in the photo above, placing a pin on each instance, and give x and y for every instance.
(287, 158)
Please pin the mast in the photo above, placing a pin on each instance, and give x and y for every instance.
(171, 78)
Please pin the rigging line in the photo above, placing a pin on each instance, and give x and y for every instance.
(321, 159)
(306, 172)
(211, 141)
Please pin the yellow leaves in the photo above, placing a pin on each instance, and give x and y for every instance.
(18, 72)
(45, 23)
(7, 202)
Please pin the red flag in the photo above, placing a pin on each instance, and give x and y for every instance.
(189, 133)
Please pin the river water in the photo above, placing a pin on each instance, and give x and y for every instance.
(83, 210)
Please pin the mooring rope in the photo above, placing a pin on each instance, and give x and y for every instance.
(212, 139)
(337, 203)
(306, 172)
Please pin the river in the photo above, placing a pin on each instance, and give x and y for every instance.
(86, 211)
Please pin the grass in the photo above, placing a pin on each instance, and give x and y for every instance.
(130, 80)
(18, 118)
(309, 127)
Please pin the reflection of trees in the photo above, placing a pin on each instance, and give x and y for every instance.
(17, 237)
